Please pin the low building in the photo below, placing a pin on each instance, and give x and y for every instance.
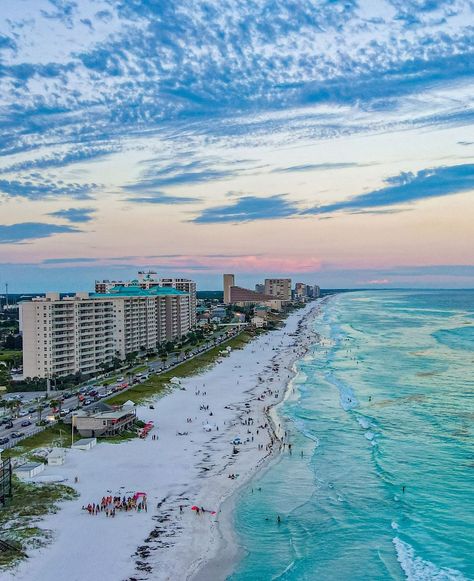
(57, 457)
(104, 423)
(84, 444)
(29, 470)
(258, 322)
(261, 311)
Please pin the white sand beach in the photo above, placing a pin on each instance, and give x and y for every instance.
(169, 540)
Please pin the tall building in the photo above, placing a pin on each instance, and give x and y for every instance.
(279, 288)
(63, 336)
(229, 282)
(147, 280)
(240, 296)
(301, 290)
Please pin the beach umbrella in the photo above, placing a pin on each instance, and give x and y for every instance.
(195, 507)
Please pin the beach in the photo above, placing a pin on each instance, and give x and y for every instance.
(211, 435)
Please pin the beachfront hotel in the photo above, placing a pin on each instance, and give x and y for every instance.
(85, 332)
(237, 295)
(279, 288)
(148, 280)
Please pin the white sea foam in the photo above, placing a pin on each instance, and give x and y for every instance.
(363, 422)
(369, 435)
(417, 569)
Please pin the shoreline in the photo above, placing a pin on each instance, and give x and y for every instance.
(189, 461)
(227, 552)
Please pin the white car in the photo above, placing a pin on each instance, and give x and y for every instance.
(22, 413)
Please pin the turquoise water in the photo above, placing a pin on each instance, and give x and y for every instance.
(386, 402)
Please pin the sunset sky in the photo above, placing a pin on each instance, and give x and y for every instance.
(330, 141)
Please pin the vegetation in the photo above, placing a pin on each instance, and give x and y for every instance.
(57, 434)
(19, 518)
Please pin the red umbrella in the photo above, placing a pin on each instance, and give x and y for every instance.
(195, 507)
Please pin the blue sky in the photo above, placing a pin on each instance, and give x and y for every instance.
(327, 140)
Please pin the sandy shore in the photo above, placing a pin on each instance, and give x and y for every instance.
(170, 541)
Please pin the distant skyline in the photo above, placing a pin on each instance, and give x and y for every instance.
(331, 142)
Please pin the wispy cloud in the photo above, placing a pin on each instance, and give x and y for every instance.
(17, 233)
(249, 208)
(162, 198)
(62, 159)
(407, 188)
(314, 167)
(78, 260)
(75, 215)
(35, 187)
(210, 65)
(176, 174)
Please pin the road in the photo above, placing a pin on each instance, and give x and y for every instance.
(27, 410)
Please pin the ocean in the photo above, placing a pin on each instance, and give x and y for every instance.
(380, 480)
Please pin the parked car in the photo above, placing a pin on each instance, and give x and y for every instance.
(25, 423)
(31, 410)
(87, 401)
(4, 441)
(17, 434)
(64, 412)
(9, 425)
(22, 413)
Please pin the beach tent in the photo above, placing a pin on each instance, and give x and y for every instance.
(208, 427)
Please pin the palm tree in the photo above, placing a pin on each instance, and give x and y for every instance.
(54, 403)
(163, 357)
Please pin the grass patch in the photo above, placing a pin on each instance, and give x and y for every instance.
(140, 369)
(59, 434)
(19, 518)
(6, 354)
(159, 384)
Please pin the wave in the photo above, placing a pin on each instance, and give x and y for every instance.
(417, 569)
(364, 423)
(347, 396)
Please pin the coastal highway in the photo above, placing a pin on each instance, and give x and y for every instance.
(28, 409)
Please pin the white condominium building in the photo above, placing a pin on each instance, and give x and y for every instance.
(279, 288)
(147, 280)
(85, 332)
(62, 337)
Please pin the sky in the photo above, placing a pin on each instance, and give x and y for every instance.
(329, 141)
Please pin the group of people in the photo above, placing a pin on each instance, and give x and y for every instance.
(110, 504)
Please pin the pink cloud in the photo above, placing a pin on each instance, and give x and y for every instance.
(213, 263)
(377, 281)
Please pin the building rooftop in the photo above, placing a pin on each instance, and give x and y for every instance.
(239, 294)
(136, 291)
(27, 466)
(107, 415)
